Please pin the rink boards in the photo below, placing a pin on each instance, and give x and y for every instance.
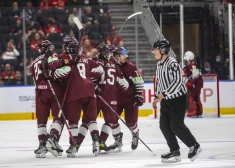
(19, 102)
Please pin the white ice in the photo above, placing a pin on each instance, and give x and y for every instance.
(18, 140)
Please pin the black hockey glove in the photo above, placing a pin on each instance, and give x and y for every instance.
(138, 100)
(48, 54)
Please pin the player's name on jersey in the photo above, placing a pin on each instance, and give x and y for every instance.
(110, 65)
(84, 60)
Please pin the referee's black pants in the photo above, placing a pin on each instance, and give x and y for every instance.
(172, 122)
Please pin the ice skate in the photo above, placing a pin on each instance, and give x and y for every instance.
(103, 148)
(95, 144)
(194, 151)
(41, 151)
(60, 150)
(72, 150)
(51, 145)
(134, 142)
(117, 144)
(171, 157)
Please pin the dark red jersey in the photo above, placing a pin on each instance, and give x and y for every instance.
(81, 84)
(136, 83)
(37, 72)
(111, 81)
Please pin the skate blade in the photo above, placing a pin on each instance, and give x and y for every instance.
(171, 160)
(51, 149)
(198, 152)
(71, 155)
(134, 148)
(96, 152)
(42, 155)
(103, 152)
(115, 150)
(60, 153)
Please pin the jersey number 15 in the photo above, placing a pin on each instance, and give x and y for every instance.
(110, 77)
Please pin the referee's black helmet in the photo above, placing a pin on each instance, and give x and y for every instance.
(160, 44)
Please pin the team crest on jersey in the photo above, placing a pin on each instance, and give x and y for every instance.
(42, 87)
(113, 102)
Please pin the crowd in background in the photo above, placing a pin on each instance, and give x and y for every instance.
(51, 20)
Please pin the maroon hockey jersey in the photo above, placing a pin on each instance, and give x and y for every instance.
(81, 84)
(136, 83)
(37, 72)
(111, 81)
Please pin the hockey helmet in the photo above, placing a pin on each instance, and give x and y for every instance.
(44, 46)
(189, 56)
(103, 51)
(72, 47)
(66, 42)
(162, 44)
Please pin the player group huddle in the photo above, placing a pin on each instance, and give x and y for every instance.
(85, 84)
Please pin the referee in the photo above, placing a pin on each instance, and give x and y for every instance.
(172, 94)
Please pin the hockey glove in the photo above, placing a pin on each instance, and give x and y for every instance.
(48, 54)
(138, 100)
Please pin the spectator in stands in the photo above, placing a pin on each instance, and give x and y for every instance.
(207, 69)
(33, 27)
(87, 48)
(46, 4)
(34, 43)
(11, 54)
(85, 37)
(31, 12)
(7, 75)
(101, 8)
(18, 79)
(59, 4)
(220, 68)
(71, 16)
(89, 16)
(53, 26)
(14, 12)
(28, 71)
(90, 2)
(17, 29)
(71, 34)
(110, 38)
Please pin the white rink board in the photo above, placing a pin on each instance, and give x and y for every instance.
(22, 99)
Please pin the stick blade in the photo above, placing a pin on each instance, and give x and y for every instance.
(78, 23)
(137, 13)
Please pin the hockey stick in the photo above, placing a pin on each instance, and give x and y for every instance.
(79, 25)
(134, 14)
(125, 123)
(60, 109)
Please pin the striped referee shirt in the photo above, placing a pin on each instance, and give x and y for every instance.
(169, 79)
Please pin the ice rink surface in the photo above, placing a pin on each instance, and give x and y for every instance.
(18, 140)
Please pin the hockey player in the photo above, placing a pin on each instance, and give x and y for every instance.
(81, 96)
(111, 81)
(194, 85)
(131, 99)
(46, 102)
